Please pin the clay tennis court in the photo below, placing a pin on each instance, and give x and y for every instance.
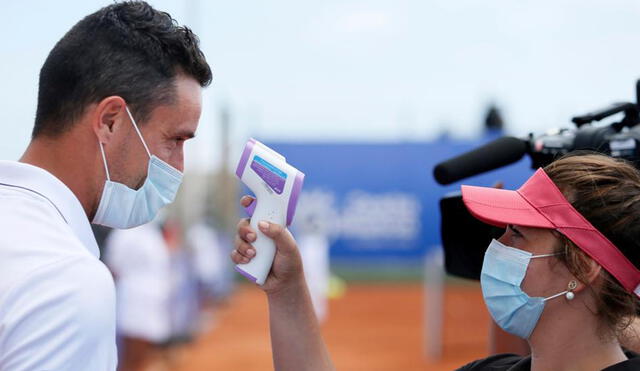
(372, 327)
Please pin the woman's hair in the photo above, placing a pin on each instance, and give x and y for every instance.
(606, 191)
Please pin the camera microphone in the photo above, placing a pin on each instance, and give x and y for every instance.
(497, 153)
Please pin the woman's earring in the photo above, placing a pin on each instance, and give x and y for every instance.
(572, 286)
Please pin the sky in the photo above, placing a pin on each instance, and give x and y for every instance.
(340, 70)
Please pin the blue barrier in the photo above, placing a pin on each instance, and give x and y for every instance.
(378, 202)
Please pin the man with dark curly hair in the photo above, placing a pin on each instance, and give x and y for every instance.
(119, 95)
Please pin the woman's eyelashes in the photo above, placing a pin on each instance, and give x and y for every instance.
(514, 230)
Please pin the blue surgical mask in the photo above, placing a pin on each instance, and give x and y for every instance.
(123, 207)
(502, 273)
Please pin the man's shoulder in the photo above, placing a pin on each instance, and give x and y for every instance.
(33, 234)
(41, 258)
(25, 216)
(13, 196)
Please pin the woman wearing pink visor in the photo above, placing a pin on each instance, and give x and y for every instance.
(564, 275)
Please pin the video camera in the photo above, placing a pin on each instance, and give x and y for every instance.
(464, 252)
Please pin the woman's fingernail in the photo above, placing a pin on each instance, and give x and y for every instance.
(251, 252)
(263, 225)
(251, 236)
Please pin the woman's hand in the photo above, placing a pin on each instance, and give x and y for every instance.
(296, 340)
(287, 264)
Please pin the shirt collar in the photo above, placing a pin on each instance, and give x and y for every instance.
(46, 185)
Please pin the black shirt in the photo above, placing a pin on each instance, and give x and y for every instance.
(512, 362)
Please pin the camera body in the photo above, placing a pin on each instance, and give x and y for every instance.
(620, 139)
(464, 252)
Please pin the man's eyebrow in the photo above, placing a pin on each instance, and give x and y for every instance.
(184, 134)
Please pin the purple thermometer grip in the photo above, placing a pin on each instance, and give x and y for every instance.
(251, 208)
(242, 272)
(245, 157)
(295, 194)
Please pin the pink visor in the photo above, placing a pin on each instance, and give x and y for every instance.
(539, 203)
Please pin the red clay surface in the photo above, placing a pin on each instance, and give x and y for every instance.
(372, 327)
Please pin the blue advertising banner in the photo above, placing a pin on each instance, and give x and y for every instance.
(379, 201)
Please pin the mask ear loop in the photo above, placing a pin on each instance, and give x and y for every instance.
(556, 295)
(135, 126)
(104, 159)
(569, 294)
(544, 255)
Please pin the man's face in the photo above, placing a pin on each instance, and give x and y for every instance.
(165, 132)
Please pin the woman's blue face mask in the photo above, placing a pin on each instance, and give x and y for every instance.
(503, 271)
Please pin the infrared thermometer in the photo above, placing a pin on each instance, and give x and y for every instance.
(276, 186)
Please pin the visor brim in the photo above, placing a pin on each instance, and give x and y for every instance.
(500, 207)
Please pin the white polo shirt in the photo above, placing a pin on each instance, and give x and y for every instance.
(57, 300)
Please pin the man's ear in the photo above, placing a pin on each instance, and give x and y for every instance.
(108, 115)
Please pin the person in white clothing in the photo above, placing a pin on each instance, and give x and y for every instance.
(314, 248)
(118, 96)
(213, 271)
(140, 261)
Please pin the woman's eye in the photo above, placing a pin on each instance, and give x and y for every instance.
(514, 231)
